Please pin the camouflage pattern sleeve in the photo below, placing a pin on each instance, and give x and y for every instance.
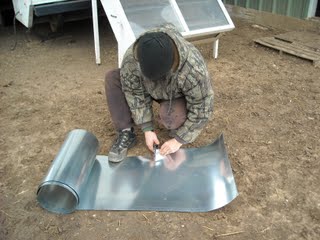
(198, 92)
(139, 101)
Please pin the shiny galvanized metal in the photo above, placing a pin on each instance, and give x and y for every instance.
(69, 172)
(190, 180)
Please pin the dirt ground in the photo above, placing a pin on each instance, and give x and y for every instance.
(266, 104)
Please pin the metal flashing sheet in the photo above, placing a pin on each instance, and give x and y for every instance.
(190, 180)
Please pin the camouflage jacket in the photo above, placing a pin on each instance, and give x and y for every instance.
(191, 80)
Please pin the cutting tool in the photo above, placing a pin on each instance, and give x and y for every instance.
(156, 152)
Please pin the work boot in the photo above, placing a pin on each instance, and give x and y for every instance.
(126, 139)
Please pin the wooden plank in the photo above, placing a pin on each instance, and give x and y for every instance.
(308, 39)
(289, 48)
(299, 49)
(294, 45)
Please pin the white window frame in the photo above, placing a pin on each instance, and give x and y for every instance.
(212, 30)
(125, 35)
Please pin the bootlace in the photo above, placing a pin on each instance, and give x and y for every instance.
(122, 141)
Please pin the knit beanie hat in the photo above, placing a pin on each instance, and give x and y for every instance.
(155, 53)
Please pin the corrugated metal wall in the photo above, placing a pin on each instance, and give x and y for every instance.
(292, 8)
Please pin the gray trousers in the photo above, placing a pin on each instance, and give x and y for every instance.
(120, 111)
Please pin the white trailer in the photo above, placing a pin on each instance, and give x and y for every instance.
(26, 10)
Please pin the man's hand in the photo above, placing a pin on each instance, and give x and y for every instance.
(170, 146)
(151, 139)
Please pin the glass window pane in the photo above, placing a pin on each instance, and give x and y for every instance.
(146, 14)
(200, 14)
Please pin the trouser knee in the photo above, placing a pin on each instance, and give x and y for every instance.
(173, 115)
(112, 80)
